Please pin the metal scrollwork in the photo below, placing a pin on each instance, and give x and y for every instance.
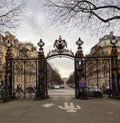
(60, 48)
(60, 44)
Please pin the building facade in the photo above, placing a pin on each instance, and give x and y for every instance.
(25, 72)
(19, 50)
(98, 71)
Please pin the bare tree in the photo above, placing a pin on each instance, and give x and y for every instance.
(71, 79)
(86, 14)
(10, 12)
(56, 77)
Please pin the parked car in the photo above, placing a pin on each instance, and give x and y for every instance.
(54, 86)
(57, 86)
(62, 86)
(94, 91)
(51, 87)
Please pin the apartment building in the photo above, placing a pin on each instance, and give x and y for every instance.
(98, 72)
(19, 50)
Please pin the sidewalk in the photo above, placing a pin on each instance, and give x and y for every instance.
(1, 101)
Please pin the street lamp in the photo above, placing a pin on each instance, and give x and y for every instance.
(9, 50)
(41, 44)
(40, 53)
(79, 70)
(114, 41)
(79, 53)
(41, 83)
(79, 42)
(119, 71)
(9, 68)
(9, 44)
(114, 65)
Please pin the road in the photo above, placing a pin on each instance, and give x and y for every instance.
(66, 93)
(61, 110)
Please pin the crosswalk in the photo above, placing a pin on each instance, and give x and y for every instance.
(61, 93)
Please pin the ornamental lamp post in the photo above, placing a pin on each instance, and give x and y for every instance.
(9, 44)
(40, 44)
(9, 69)
(119, 72)
(79, 70)
(9, 50)
(41, 83)
(114, 65)
(79, 53)
(114, 41)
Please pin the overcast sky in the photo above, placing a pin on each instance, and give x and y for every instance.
(35, 25)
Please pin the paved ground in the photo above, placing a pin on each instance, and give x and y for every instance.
(61, 110)
(62, 93)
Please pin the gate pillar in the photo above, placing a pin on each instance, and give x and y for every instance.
(78, 61)
(41, 85)
(114, 67)
(9, 70)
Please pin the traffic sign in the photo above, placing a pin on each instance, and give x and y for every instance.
(82, 84)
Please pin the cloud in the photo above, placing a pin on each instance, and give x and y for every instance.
(65, 66)
(35, 26)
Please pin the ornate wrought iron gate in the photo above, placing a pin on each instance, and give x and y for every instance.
(38, 68)
(97, 64)
(25, 77)
(22, 68)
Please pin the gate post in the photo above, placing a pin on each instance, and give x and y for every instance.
(78, 60)
(114, 67)
(9, 70)
(41, 85)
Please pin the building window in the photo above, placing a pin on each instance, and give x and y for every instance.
(0, 50)
(0, 62)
